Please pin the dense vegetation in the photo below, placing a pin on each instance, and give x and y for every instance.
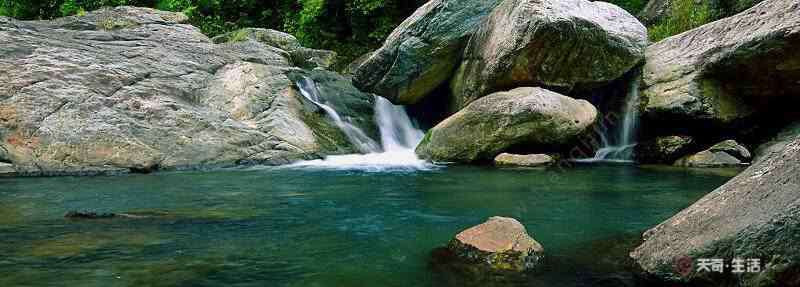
(350, 27)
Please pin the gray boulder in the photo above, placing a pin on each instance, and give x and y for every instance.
(728, 153)
(756, 215)
(527, 160)
(134, 89)
(727, 71)
(557, 44)
(499, 244)
(421, 53)
(534, 117)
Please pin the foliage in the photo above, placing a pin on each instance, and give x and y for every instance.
(632, 6)
(685, 15)
(350, 27)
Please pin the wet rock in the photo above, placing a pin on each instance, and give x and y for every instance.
(528, 160)
(422, 53)
(499, 244)
(756, 215)
(534, 117)
(727, 72)
(130, 89)
(724, 154)
(556, 44)
(664, 150)
(88, 215)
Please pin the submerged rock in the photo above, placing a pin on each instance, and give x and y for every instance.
(727, 71)
(499, 244)
(756, 215)
(533, 117)
(528, 160)
(135, 89)
(664, 150)
(725, 154)
(423, 51)
(562, 44)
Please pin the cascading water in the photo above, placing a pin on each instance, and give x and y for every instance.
(621, 149)
(399, 138)
(356, 136)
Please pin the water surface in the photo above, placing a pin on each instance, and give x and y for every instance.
(320, 227)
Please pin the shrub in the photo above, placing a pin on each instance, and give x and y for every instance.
(685, 15)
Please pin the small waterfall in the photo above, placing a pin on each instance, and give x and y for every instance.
(399, 138)
(356, 136)
(621, 149)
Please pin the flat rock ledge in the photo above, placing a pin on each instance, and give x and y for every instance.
(499, 244)
(523, 160)
(728, 153)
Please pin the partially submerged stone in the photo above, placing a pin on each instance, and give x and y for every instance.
(525, 160)
(724, 154)
(533, 117)
(499, 244)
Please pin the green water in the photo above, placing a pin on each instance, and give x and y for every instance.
(285, 227)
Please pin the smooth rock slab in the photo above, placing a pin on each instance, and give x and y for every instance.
(528, 160)
(500, 244)
(564, 44)
(755, 215)
(535, 117)
(135, 89)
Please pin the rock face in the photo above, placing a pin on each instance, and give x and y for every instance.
(755, 215)
(560, 44)
(499, 244)
(726, 71)
(664, 150)
(534, 117)
(299, 56)
(725, 154)
(655, 11)
(528, 160)
(134, 89)
(423, 51)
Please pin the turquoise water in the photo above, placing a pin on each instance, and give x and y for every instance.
(301, 227)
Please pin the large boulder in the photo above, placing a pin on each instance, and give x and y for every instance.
(421, 53)
(664, 150)
(499, 244)
(728, 153)
(135, 89)
(725, 72)
(533, 117)
(756, 215)
(557, 44)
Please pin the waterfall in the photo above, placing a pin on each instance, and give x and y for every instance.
(356, 136)
(399, 138)
(621, 149)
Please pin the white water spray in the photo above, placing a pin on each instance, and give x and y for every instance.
(399, 138)
(356, 136)
(622, 149)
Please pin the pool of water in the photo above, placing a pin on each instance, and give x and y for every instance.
(315, 227)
